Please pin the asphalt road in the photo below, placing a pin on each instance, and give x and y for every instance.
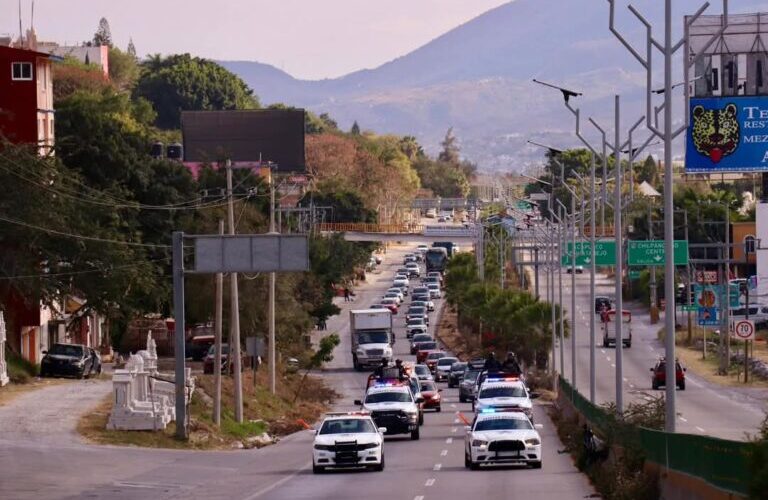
(703, 408)
(429, 468)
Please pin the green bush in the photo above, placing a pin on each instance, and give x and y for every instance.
(20, 371)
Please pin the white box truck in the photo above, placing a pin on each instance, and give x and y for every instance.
(372, 337)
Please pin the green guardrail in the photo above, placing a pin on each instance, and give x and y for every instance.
(719, 462)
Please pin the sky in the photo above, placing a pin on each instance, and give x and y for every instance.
(310, 39)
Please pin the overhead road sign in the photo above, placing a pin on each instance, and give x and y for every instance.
(605, 253)
(727, 134)
(651, 253)
(250, 253)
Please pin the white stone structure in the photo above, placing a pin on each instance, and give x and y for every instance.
(761, 226)
(3, 364)
(142, 401)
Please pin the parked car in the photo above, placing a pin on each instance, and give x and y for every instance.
(198, 347)
(73, 360)
(659, 374)
(209, 360)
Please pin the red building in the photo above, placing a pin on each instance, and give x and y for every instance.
(26, 97)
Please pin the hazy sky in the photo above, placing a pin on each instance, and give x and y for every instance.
(307, 38)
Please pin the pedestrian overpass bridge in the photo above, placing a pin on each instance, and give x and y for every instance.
(417, 233)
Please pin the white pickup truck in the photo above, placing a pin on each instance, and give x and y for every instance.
(608, 319)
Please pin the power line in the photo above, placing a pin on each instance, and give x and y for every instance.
(76, 273)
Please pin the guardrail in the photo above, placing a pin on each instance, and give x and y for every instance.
(719, 462)
(363, 227)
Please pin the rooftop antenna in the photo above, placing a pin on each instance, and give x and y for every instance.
(21, 35)
(32, 20)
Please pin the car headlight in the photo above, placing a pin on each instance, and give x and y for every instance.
(324, 447)
(479, 443)
(361, 352)
(533, 442)
(367, 446)
(79, 362)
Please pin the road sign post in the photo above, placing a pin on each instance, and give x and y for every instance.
(652, 253)
(743, 330)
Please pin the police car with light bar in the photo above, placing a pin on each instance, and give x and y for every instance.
(348, 440)
(393, 406)
(507, 438)
(504, 395)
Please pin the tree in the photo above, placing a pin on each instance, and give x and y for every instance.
(444, 179)
(70, 76)
(131, 49)
(355, 130)
(123, 69)
(324, 354)
(450, 152)
(103, 35)
(648, 172)
(181, 82)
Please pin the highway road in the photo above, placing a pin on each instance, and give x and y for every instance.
(430, 468)
(703, 408)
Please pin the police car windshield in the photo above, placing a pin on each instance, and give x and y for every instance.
(502, 424)
(388, 397)
(502, 392)
(347, 426)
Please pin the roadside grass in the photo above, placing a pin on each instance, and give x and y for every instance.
(464, 345)
(263, 412)
(691, 355)
(20, 370)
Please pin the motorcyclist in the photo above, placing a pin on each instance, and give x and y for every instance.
(511, 364)
(491, 363)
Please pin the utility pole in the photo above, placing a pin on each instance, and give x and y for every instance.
(218, 318)
(593, 271)
(618, 230)
(551, 291)
(573, 292)
(652, 282)
(560, 247)
(272, 282)
(234, 311)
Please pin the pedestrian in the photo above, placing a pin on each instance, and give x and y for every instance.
(323, 324)
(346, 294)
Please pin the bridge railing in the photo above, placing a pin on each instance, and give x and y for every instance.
(364, 227)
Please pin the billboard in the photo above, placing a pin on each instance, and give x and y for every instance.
(708, 304)
(727, 134)
(269, 135)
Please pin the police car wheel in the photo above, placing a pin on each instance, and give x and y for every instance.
(536, 465)
(415, 435)
(316, 469)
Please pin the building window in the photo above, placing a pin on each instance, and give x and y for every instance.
(21, 71)
(749, 244)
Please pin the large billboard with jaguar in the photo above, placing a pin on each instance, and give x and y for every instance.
(727, 134)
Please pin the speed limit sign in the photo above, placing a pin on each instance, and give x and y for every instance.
(744, 330)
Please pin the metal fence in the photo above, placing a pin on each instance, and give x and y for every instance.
(719, 462)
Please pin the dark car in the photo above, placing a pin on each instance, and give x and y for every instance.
(198, 346)
(73, 360)
(420, 337)
(431, 395)
(467, 385)
(602, 304)
(209, 359)
(456, 373)
(659, 374)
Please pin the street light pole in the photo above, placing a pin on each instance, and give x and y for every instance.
(593, 270)
(619, 317)
(234, 309)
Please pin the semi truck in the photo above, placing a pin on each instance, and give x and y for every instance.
(372, 337)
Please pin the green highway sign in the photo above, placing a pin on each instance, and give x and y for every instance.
(605, 253)
(634, 274)
(690, 308)
(651, 253)
(523, 205)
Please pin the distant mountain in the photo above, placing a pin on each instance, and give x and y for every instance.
(477, 78)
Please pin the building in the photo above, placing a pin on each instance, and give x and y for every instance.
(97, 56)
(26, 97)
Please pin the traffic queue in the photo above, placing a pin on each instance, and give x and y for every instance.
(398, 392)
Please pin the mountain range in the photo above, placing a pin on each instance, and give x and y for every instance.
(477, 78)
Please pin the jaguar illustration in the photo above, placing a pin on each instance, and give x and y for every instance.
(716, 132)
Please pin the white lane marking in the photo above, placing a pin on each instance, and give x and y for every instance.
(700, 429)
(449, 441)
(602, 350)
(420, 497)
(625, 379)
(456, 421)
(608, 358)
(454, 429)
(613, 365)
(443, 453)
(683, 419)
(650, 348)
(437, 467)
(453, 406)
(430, 482)
(287, 478)
(632, 385)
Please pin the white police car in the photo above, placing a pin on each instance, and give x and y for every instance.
(393, 406)
(501, 438)
(348, 440)
(504, 395)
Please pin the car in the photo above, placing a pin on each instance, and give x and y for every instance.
(402, 283)
(398, 291)
(210, 358)
(198, 346)
(431, 395)
(443, 367)
(70, 360)
(431, 360)
(417, 312)
(402, 270)
(394, 407)
(442, 219)
(391, 303)
(422, 249)
(431, 279)
(420, 337)
(409, 257)
(603, 304)
(434, 291)
(467, 384)
(456, 373)
(348, 440)
(436, 274)
(378, 306)
(422, 372)
(420, 290)
(578, 269)
(507, 438)
(414, 271)
(414, 326)
(424, 349)
(431, 213)
(505, 395)
(394, 295)
(659, 374)
(423, 301)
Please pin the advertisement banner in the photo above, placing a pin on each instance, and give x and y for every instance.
(727, 134)
(708, 302)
